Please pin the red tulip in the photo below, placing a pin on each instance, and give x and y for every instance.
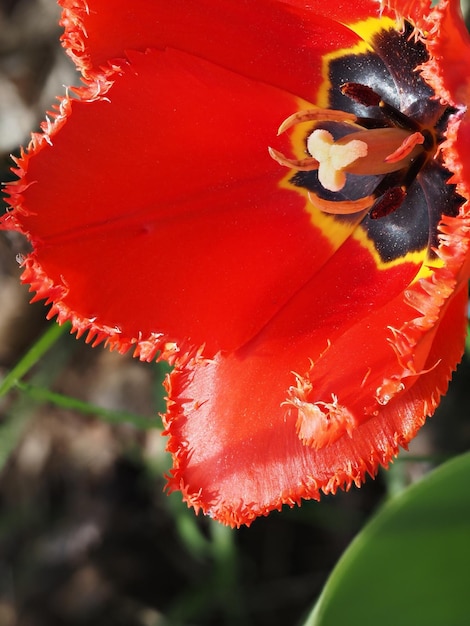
(309, 288)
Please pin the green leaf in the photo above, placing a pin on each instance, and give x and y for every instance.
(410, 566)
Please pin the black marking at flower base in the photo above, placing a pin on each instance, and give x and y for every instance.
(413, 226)
(390, 71)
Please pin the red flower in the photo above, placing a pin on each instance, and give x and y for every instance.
(313, 313)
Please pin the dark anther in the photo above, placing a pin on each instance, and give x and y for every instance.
(368, 97)
(389, 199)
(388, 202)
(361, 93)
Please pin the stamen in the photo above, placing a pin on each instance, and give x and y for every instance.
(309, 115)
(341, 207)
(406, 147)
(362, 94)
(389, 202)
(303, 165)
(414, 169)
(368, 97)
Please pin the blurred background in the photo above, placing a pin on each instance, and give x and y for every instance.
(87, 535)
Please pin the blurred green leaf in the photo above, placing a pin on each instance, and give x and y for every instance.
(410, 565)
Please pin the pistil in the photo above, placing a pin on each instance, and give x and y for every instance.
(367, 152)
(334, 158)
(363, 152)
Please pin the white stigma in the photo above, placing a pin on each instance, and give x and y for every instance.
(334, 157)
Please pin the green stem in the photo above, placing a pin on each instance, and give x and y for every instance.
(33, 355)
(43, 394)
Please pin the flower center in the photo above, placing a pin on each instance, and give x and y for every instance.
(343, 144)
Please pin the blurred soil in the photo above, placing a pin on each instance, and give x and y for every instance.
(86, 534)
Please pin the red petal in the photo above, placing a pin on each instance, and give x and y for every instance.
(446, 42)
(238, 449)
(157, 215)
(271, 41)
